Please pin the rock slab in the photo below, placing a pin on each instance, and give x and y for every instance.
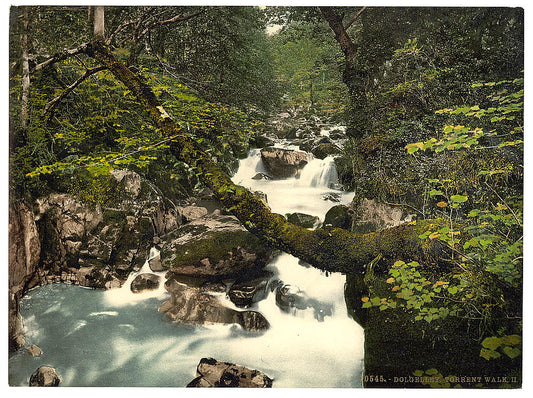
(213, 373)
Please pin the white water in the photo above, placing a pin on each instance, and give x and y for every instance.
(291, 195)
(117, 338)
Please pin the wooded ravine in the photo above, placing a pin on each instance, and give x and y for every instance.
(192, 156)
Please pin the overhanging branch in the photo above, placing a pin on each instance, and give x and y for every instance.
(332, 249)
(50, 106)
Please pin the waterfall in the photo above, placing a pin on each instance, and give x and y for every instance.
(124, 296)
(320, 173)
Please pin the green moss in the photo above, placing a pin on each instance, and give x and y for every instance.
(218, 246)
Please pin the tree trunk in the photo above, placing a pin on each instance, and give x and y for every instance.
(24, 106)
(353, 75)
(99, 23)
(330, 249)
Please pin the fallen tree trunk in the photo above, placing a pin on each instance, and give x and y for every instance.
(330, 249)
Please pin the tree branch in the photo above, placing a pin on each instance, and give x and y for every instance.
(330, 249)
(335, 23)
(354, 18)
(61, 57)
(50, 106)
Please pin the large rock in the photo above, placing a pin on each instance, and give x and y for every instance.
(243, 293)
(370, 215)
(339, 216)
(283, 163)
(303, 220)
(190, 302)
(45, 376)
(213, 246)
(99, 244)
(24, 252)
(325, 149)
(213, 373)
(144, 282)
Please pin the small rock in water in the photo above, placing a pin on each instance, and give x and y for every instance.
(144, 282)
(261, 176)
(213, 373)
(332, 197)
(190, 302)
(45, 376)
(303, 220)
(291, 298)
(34, 350)
(244, 293)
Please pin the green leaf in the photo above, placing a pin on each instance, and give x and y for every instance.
(512, 339)
(511, 352)
(435, 192)
(491, 343)
(459, 198)
(489, 354)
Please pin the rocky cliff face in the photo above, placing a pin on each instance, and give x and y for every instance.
(24, 252)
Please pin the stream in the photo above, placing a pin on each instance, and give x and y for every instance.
(97, 338)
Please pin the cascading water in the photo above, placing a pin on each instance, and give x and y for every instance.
(117, 338)
(320, 173)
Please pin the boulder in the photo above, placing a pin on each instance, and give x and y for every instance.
(303, 220)
(323, 150)
(339, 216)
(34, 350)
(24, 253)
(213, 246)
(243, 293)
(213, 373)
(189, 302)
(155, 264)
(144, 282)
(283, 163)
(190, 213)
(261, 141)
(370, 215)
(45, 376)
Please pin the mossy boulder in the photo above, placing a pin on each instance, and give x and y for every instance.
(339, 216)
(214, 246)
(303, 220)
(325, 149)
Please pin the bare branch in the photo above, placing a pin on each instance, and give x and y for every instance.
(354, 18)
(50, 106)
(61, 57)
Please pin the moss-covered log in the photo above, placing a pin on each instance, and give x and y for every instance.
(332, 249)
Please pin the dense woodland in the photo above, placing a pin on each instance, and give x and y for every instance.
(432, 99)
